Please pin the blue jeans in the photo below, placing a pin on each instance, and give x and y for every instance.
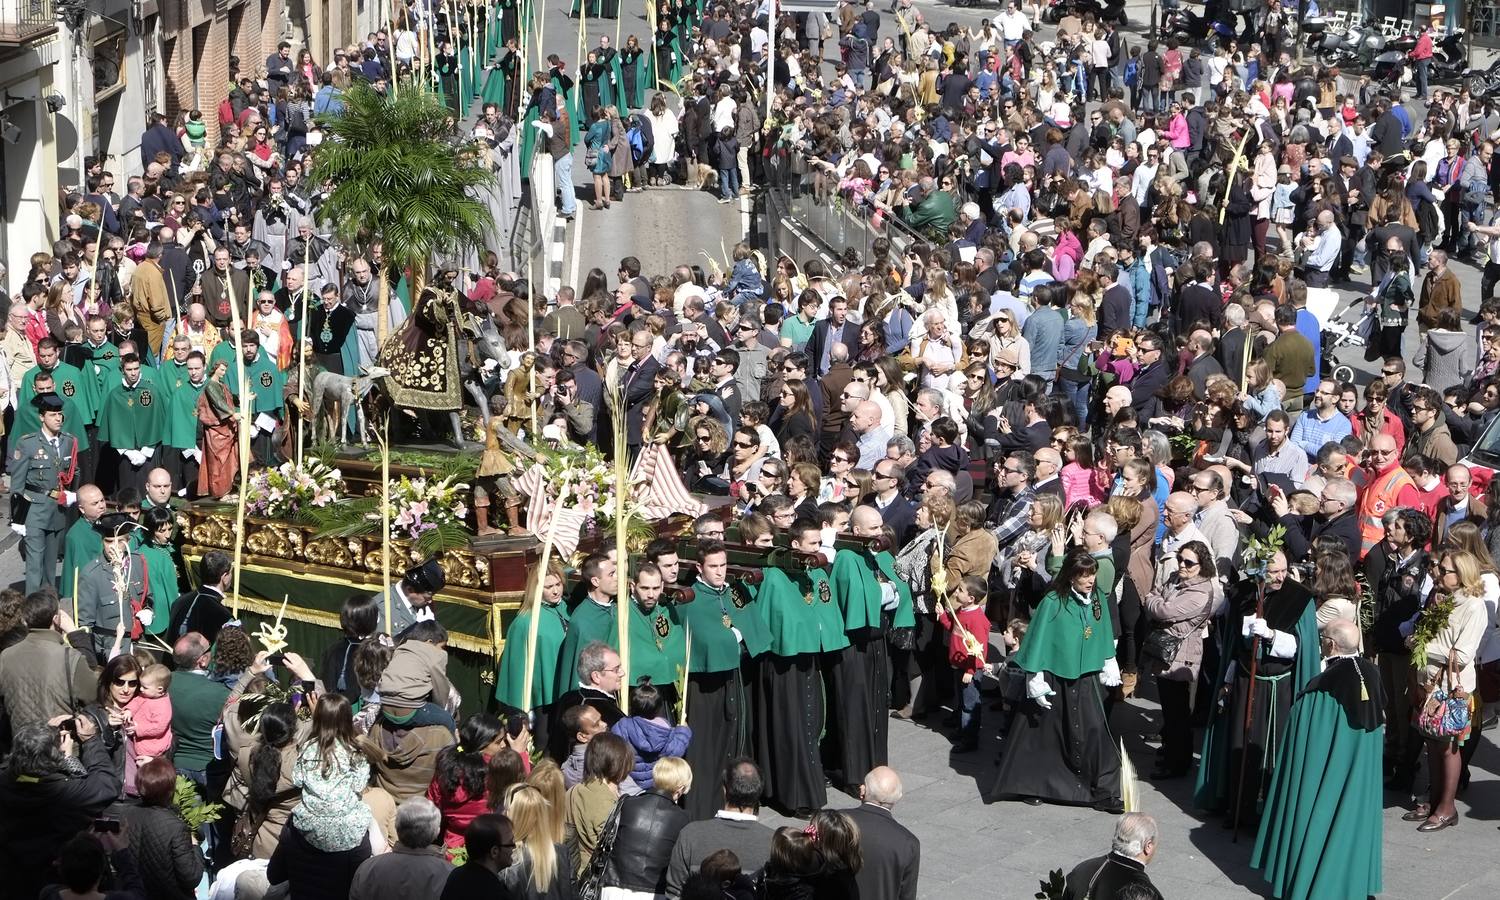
(729, 182)
(1141, 311)
(1077, 393)
(562, 171)
(970, 709)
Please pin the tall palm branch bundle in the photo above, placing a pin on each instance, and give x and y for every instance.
(397, 175)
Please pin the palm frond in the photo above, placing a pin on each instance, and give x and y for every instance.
(355, 517)
(396, 176)
(442, 537)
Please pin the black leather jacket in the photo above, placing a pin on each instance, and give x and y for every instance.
(649, 825)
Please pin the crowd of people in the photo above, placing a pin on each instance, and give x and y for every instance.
(1076, 442)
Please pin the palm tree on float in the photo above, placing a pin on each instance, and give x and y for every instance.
(396, 174)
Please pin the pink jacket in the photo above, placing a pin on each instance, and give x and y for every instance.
(1177, 132)
(153, 724)
(1091, 485)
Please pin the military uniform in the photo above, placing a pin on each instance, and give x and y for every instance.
(100, 605)
(41, 469)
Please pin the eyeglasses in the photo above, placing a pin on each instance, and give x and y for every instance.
(126, 682)
(840, 459)
(703, 438)
(1010, 471)
(1184, 563)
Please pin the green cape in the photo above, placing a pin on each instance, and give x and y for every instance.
(714, 646)
(180, 430)
(1066, 638)
(857, 577)
(73, 386)
(658, 644)
(831, 635)
(102, 369)
(81, 545)
(511, 676)
(266, 381)
(165, 583)
(1212, 788)
(1320, 834)
(790, 612)
(132, 418)
(589, 622)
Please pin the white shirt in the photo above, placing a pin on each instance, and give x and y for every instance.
(1013, 24)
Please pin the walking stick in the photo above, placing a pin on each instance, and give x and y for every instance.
(1239, 802)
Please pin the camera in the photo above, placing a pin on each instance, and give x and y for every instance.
(515, 723)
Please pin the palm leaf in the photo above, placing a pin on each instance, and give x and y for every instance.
(446, 536)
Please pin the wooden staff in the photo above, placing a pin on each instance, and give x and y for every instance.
(583, 27)
(385, 520)
(390, 45)
(536, 599)
(1260, 612)
(453, 40)
(622, 559)
(541, 29)
(302, 390)
(474, 65)
(75, 596)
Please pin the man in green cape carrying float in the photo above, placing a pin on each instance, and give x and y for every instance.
(1271, 656)
(1320, 835)
(870, 596)
(804, 623)
(1060, 748)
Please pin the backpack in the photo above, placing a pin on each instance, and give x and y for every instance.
(296, 119)
(1132, 71)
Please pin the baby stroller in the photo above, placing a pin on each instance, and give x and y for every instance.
(1337, 331)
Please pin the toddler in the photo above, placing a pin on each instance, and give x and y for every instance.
(968, 649)
(151, 712)
(650, 733)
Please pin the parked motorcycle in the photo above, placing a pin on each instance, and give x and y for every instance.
(1191, 27)
(1102, 10)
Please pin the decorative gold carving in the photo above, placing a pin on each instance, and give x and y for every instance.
(328, 552)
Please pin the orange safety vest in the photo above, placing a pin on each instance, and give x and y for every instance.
(1379, 498)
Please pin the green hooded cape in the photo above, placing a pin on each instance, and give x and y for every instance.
(511, 676)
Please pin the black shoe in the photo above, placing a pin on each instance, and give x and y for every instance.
(966, 747)
(1031, 801)
(1114, 806)
(1164, 773)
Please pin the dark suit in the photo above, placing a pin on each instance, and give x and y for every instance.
(848, 335)
(1099, 878)
(591, 391)
(560, 743)
(202, 611)
(1143, 388)
(900, 516)
(1199, 302)
(834, 418)
(1114, 311)
(1301, 531)
(639, 384)
(1053, 486)
(892, 855)
(1199, 371)
(1231, 351)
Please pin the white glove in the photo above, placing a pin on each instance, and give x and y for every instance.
(148, 452)
(18, 528)
(1109, 676)
(1038, 690)
(265, 423)
(69, 498)
(145, 616)
(1260, 629)
(195, 454)
(136, 457)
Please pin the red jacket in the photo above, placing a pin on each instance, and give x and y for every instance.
(978, 625)
(1423, 49)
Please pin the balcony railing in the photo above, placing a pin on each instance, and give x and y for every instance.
(25, 20)
(818, 211)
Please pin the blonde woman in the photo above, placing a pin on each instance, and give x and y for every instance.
(1453, 623)
(540, 860)
(1078, 333)
(547, 777)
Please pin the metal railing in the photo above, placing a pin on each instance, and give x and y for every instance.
(24, 20)
(800, 209)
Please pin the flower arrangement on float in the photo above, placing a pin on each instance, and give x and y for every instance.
(289, 492)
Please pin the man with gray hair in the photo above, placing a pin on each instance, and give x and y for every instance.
(1178, 517)
(1125, 865)
(892, 854)
(415, 867)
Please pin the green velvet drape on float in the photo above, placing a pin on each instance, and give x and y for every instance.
(312, 623)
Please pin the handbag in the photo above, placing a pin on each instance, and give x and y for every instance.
(242, 840)
(1162, 645)
(1445, 710)
(591, 885)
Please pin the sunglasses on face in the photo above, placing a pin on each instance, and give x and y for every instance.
(744, 445)
(126, 682)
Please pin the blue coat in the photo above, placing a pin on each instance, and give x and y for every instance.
(651, 739)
